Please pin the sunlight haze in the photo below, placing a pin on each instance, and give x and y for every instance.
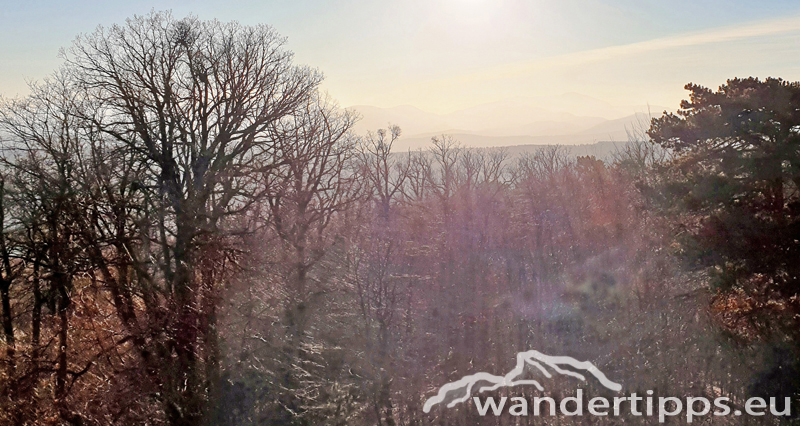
(421, 64)
(399, 212)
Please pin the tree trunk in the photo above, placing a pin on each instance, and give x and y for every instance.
(8, 326)
(61, 389)
(36, 333)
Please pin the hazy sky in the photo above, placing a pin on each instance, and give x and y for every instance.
(444, 55)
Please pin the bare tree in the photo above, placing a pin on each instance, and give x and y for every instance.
(42, 140)
(309, 194)
(384, 172)
(312, 186)
(189, 109)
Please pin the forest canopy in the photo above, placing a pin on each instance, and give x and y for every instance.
(194, 234)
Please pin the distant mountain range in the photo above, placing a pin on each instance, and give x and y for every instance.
(569, 119)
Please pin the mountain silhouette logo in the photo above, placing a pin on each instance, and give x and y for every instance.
(466, 385)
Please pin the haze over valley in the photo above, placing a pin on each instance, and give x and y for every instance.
(568, 119)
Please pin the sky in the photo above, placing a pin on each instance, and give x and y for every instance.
(446, 55)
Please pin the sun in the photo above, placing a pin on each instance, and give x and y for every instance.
(472, 10)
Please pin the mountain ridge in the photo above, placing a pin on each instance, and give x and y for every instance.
(571, 119)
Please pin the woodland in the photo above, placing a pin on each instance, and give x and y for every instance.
(194, 234)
